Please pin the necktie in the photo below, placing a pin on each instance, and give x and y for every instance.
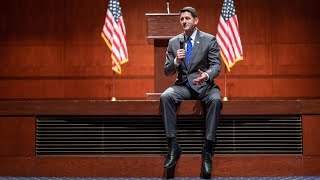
(188, 55)
(189, 50)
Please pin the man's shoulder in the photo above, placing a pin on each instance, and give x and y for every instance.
(205, 34)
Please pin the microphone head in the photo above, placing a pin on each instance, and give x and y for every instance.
(181, 39)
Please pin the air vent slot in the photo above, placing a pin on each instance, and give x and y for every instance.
(109, 135)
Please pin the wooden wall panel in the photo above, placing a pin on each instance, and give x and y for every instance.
(248, 87)
(31, 61)
(131, 166)
(141, 63)
(77, 88)
(134, 18)
(31, 89)
(87, 61)
(103, 89)
(273, 88)
(137, 87)
(296, 59)
(17, 136)
(257, 61)
(95, 61)
(161, 82)
(310, 130)
(32, 22)
(295, 21)
(310, 106)
(87, 88)
(45, 44)
(128, 88)
(255, 22)
(295, 87)
(84, 22)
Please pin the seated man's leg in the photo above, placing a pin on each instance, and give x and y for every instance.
(213, 104)
(170, 100)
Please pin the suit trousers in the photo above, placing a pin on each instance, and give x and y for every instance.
(211, 102)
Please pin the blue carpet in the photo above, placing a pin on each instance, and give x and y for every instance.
(185, 178)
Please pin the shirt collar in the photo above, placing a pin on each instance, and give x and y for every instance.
(193, 36)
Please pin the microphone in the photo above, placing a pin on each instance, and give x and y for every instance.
(181, 39)
(168, 7)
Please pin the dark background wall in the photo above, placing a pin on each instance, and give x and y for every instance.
(52, 49)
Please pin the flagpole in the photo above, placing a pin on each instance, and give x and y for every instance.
(225, 98)
(114, 87)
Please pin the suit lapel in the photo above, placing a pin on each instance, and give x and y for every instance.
(195, 49)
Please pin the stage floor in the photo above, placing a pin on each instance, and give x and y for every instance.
(182, 178)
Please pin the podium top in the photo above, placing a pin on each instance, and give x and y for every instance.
(163, 25)
(162, 14)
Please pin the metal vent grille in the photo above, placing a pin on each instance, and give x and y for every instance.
(105, 135)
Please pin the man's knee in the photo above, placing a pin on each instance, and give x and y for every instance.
(215, 101)
(165, 96)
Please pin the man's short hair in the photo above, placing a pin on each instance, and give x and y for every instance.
(190, 10)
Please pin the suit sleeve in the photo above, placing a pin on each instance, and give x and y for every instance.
(214, 59)
(169, 67)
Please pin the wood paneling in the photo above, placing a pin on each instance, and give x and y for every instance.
(17, 136)
(249, 87)
(295, 22)
(101, 87)
(161, 82)
(31, 89)
(156, 21)
(295, 87)
(270, 87)
(31, 61)
(77, 88)
(32, 22)
(84, 21)
(311, 134)
(296, 59)
(309, 107)
(44, 45)
(90, 63)
(152, 166)
(258, 61)
(152, 107)
(255, 23)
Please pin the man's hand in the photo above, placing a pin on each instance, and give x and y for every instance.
(181, 54)
(203, 77)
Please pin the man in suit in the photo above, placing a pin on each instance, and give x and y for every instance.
(195, 56)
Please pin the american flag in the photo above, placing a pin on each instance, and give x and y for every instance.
(228, 36)
(114, 34)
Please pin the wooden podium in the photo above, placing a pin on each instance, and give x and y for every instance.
(160, 28)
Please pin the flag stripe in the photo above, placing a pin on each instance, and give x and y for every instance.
(236, 26)
(235, 34)
(224, 41)
(232, 38)
(224, 32)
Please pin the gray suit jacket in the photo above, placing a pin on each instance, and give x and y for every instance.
(205, 56)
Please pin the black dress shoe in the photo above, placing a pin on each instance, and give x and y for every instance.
(172, 156)
(206, 167)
